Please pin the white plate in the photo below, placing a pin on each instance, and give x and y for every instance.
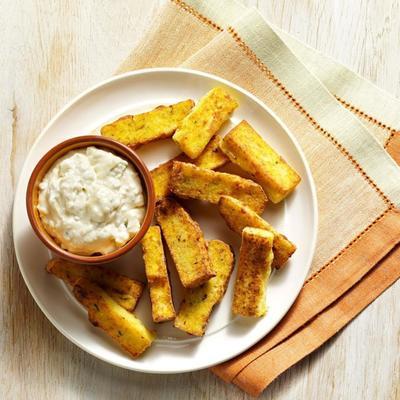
(226, 335)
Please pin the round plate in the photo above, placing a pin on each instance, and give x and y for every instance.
(226, 335)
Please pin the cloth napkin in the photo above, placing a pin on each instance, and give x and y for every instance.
(347, 129)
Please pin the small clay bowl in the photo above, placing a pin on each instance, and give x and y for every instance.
(60, 150)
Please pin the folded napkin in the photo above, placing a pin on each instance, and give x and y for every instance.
(343, 124)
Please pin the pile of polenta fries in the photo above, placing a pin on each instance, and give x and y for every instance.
(204, 267)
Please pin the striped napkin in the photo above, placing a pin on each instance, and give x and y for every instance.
(347, 130)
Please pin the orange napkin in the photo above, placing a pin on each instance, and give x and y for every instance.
(347, 130)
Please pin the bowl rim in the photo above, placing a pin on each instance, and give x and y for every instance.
(75, 143)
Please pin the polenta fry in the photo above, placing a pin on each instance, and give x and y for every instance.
(189, 181)
(160, 123)
(186, 243)
(203, 122)
(198, 303)
(254, 269)
(212, 157)
(157, 276)
(161, 176)
(245, 147)
(237, 216)
(125, 291)
(103, 312)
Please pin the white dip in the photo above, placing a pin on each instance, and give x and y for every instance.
(91, 201)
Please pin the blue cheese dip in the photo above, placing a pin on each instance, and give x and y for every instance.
(91, 201)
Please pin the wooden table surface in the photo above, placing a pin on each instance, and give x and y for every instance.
(53, 49)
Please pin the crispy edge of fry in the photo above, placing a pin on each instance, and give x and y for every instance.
(155, 264)
(121, 325)
(167, 209)
(249, 192)
(254, 269)
(198, 303)
(277, 178)
(105, 130)
(187, 135)
(212, 157)
(237, 216)
(124, 290)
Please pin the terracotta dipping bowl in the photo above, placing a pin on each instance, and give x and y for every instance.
(60, 150)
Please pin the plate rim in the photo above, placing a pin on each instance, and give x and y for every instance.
(240, 89)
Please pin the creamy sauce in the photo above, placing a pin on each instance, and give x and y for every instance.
(91, 201)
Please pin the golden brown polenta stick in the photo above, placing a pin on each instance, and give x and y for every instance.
(103, 312)
(245, 147)
(203, 122)
(254, 268)
(185, 242)
(162, 307)
(189, 181)
(198, 303)
(160, 123)
(212, 157)
(237, 216)
(125, 291)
